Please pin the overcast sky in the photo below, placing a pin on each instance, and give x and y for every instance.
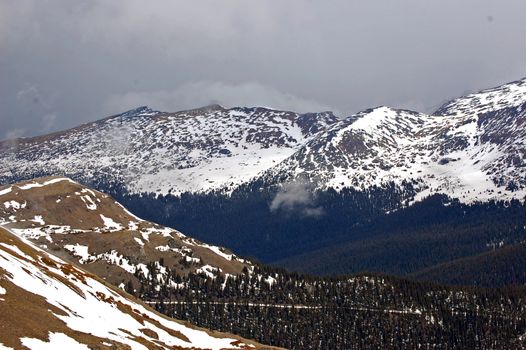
(65, 62)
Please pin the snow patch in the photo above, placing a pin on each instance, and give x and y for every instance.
(110, 225)
(218, 251)
(6, 190)
(39, 220)
(79, 251)
(139, 241)
(90, 204)
(56, 341)
(14, 204)
(46, 183)
(208, 270)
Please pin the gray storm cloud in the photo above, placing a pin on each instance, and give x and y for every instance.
(64, 62)
(296, 198)
(204, 93)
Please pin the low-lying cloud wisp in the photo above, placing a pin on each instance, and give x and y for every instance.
(296, 197)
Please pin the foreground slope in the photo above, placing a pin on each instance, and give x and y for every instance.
(46, 303)
(90, 228)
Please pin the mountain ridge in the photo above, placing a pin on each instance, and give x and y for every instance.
(89, 228)
(184, 151)
(472, 148)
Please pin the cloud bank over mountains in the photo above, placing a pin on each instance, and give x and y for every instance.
(64, 63)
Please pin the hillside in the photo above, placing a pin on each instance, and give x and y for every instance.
(90, 228)
(501, 266)
(47, 303)
(431, 241)
(365, 311)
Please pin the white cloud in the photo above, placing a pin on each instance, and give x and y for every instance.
(296, 197)
(29, 95)
(14, 134)
(11, 138)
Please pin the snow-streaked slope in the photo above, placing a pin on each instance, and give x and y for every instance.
(473, 148)
(89, 228)
(197, 150)
(49, 304)
(471, 157)
(489, 100)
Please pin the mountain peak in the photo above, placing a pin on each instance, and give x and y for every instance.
(139, 111)
(213, 148)
(512, 94)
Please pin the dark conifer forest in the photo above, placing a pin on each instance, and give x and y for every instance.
(353, 312)
(358, 231)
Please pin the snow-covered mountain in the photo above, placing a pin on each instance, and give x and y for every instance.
(470, 157)
(149, 151)
(472, 148)
(46, 303)
(488, 100)
(89, 228)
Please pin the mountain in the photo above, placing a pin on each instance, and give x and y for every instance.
(309, 191)
(46, 303)
(149, 151)
(473, 149)
(90, 228)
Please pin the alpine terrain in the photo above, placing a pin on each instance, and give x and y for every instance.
(89, 228)
(382, 190)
